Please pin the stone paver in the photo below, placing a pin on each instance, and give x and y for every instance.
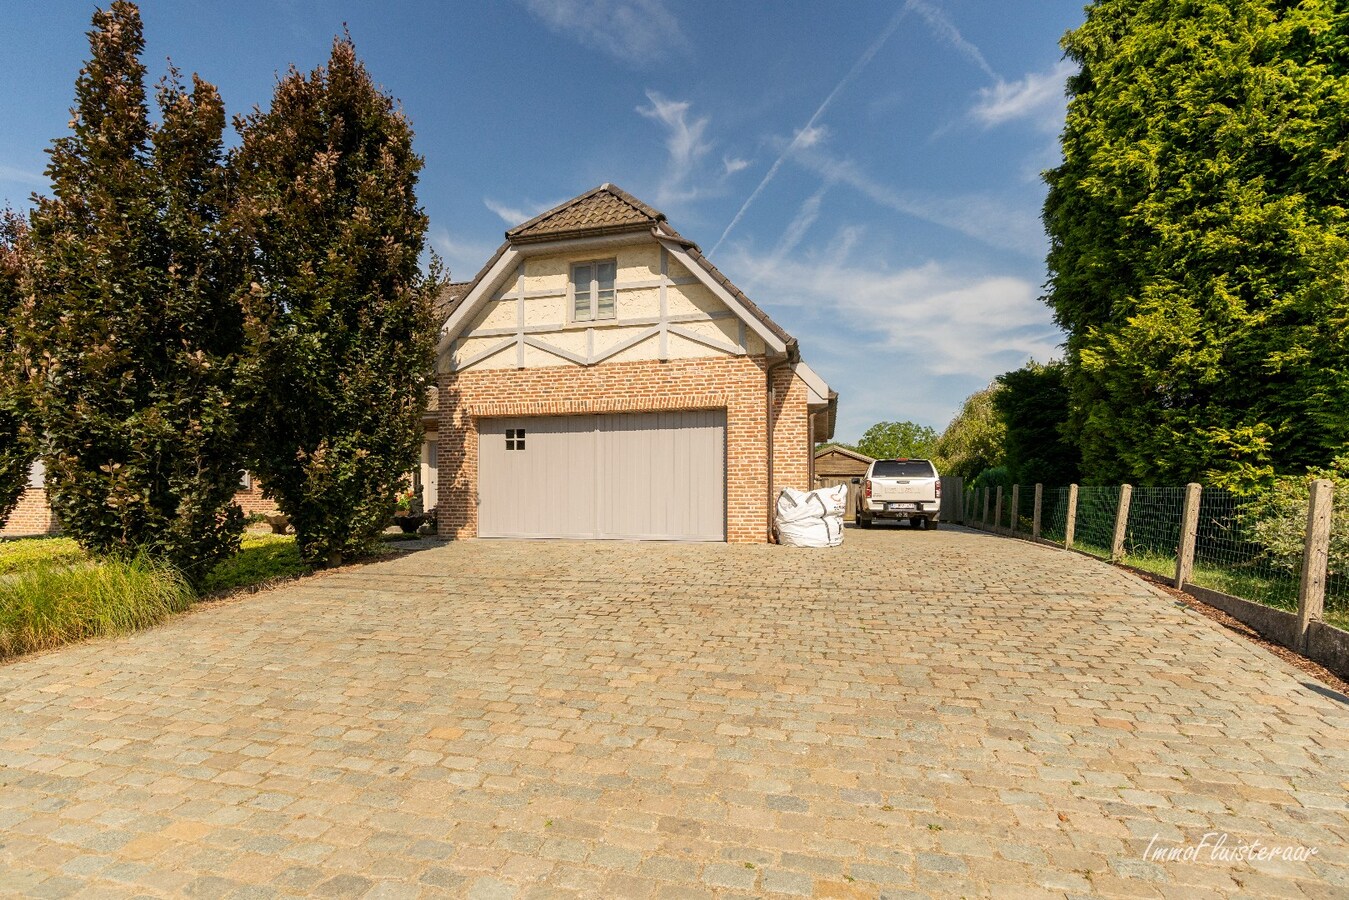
(914, 714)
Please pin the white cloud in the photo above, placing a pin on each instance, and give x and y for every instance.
(905, 343)
(945, 321)
(685, 140)
(1039, 97)
(809, 137)
(514, 215)
(638, 32)
(463, 257)
(980, 216)
(801, 222)
(732, 164)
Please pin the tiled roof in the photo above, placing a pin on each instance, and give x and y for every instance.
(604, 210)
(449, 298)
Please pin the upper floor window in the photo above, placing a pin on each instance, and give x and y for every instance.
(592, 290)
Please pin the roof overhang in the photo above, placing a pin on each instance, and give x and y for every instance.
(820, 401)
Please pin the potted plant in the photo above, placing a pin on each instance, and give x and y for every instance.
(407, 513)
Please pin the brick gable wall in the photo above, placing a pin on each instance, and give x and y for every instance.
(736, 384)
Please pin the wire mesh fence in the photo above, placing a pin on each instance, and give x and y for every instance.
(1097, 506)
(1025, 509)
(1054, 514)
(1337, 572)
(1152, 533)
(1228, 557)
(1248, 547)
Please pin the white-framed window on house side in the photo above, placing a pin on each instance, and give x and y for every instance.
(592, 290)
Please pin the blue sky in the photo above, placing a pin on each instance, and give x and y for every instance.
(867, 172)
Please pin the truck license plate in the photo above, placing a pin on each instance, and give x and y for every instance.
(903, 505)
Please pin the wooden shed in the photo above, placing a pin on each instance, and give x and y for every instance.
(839, 465)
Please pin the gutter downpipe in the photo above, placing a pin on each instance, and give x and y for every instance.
(770, 424)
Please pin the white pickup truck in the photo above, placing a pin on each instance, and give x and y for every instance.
(900, 489)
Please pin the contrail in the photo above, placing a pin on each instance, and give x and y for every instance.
(935, 19)
(810, 126)
(944, 27)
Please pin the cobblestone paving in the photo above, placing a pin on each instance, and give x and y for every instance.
(914, 714)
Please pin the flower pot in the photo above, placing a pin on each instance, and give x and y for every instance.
(409, 523)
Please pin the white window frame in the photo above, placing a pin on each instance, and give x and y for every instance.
(594, 315)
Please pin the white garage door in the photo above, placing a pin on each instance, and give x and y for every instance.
(642, 476)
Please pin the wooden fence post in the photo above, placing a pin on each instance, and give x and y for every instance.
(984, 519)
(997, 509)
(1016, 509)
(1311, 595)
(1070, 523)
(1189, 533)
(1126, 492)
(1035, 518)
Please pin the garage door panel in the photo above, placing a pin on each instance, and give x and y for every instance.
(654, 476)
(664, 476)
(546, 489)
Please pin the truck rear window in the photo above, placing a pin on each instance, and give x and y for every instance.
(903, 468)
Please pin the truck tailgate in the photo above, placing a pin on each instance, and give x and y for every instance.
(904, 489)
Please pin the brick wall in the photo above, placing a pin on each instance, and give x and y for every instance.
(792, 451)
(31, 517)
(251, 501)
(736, 384)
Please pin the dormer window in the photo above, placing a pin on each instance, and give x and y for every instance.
(592, 290)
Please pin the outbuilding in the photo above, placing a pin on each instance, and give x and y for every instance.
(836, 465)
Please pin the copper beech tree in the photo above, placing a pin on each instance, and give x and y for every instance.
(132, 324)
(337, 309)
(16, 435)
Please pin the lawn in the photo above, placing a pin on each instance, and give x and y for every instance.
(1267, 588)
(52, 593)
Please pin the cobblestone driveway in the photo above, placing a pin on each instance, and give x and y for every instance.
(916, 713)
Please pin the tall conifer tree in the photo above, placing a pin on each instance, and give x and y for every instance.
(1200, 238)
(16, 437)
(338, 313)
(134, 329)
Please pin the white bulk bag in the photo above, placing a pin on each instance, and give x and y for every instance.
(811, 519)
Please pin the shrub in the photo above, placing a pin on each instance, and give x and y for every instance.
(132, 323)
(51, 603)
(26, 553)
(338, 314)
(262, 558)
(16, 440)
(1278, 520)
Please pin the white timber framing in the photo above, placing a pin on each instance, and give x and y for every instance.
(771, 340)
(512, 260)
(664, 304)
(520, 315)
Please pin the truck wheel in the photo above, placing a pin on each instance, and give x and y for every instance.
(863, 521)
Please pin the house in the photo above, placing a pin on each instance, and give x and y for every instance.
(600, 378)
(838, 465)
(32, 516)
